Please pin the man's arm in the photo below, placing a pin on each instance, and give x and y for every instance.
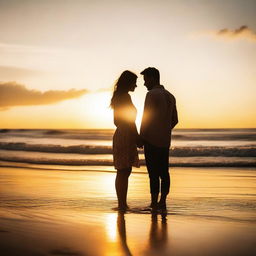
(174, 116)
(147, 114)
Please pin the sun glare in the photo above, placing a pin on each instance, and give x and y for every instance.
(111, 227)
(94, 110)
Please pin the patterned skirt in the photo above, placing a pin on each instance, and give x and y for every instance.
(125, 153)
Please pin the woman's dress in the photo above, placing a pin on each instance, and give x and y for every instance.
(125, 153)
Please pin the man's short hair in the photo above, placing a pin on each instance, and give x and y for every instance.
(152, 72)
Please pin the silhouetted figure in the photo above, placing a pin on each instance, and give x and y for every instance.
(122, 233)
(159, 118)
(126, 138)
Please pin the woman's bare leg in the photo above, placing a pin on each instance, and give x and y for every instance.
(121, 184)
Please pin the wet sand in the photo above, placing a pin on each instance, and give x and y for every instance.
(211, 211)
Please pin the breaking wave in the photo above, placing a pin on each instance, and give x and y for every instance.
(106, 134)
(174, 161)
(245, 151)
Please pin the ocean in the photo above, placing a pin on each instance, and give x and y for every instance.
(57, 196)
(78, 149)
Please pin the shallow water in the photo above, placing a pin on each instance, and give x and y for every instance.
(211, 192)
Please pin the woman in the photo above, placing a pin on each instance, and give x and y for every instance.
(126, 138)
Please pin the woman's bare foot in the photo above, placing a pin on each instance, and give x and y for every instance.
(122, 208)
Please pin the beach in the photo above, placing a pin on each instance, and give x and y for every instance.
(211, 211)
(90, 86)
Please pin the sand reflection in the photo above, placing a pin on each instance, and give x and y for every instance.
(119, 241)
(122, 233)
(158, 235)
(111, 227)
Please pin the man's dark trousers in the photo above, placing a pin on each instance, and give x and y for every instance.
(157, 161)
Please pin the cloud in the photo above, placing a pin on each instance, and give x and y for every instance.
(242, 32)
(17, 73)
(13, 94)
(108, 89)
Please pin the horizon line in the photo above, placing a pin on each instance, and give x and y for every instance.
(194, 128)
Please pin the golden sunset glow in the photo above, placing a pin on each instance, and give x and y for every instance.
(111, 220)
(58, 65)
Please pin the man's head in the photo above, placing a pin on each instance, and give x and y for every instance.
(151, 77)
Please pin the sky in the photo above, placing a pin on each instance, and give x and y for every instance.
(59, 60)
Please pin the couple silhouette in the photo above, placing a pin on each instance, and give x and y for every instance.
(159, 118)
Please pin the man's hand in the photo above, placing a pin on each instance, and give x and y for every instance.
(139, 142)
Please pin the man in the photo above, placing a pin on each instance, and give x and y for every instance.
(159, 118)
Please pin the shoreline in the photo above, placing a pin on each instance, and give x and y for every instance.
(38, 165)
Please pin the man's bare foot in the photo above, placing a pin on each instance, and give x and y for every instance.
(153, 207)
(161, 206)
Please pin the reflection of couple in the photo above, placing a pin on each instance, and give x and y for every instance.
(158, 235)
(159, 118)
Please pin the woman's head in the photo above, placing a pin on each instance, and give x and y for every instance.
(125, 83)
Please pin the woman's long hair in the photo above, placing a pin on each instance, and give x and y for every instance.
(122, 85)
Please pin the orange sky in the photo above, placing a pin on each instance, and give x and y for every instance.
(60, 59)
